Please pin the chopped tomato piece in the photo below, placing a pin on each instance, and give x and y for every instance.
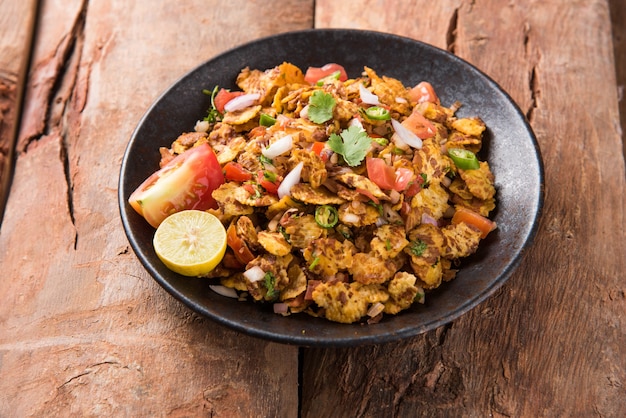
(238, 245)
(419, 125)
(367, 194)
(414, 187)
(236, 172)
(321, 150)
(224, 96)
(423, 92)
(269, 181)
(185, 182)
(257, 131)
(468, 216)
(404, 176)
(380, 173)
(314, 74)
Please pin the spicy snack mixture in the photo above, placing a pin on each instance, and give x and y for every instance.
(342, 198)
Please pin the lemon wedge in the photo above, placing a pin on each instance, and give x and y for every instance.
(190, 242)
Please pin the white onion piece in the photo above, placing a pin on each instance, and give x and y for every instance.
(367, 96)
(405, 135)
(241, 102)
(350, 218)
(254, 274)
(304, 113)
(356, 122)
(290, 180)
(279, 147)
(229, 292)
(401, 100)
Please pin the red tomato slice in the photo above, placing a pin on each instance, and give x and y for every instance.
(224, 96)
(314, 74)
(236, 172)
(423, 92)
(186, 182)
(380, 173)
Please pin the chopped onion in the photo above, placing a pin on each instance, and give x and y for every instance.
(224, 291)
(427, 219)
(290, 180)
(281, 308)
(304, 113)
(356, 122)
(376, 309)
(202, 126)
(405, 135)
(241, 102)
(446, 181)
(279, 147)
(350, 218)
(367, 96)
(401, 100)
(254, 274)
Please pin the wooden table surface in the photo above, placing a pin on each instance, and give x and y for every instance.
(85, 331)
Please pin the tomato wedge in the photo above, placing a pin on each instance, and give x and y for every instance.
(186, 182)
(314, 74)
(468, 216)
(224, 96)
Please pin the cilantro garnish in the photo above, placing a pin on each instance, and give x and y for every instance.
(270, 282)
(352, 145)
(213, 115)
(321, 107)
(418, 247)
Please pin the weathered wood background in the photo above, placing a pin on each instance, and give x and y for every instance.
(84, 330)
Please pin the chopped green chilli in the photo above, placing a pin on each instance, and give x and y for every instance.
(464, 159)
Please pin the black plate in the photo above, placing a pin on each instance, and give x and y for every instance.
(510, 147)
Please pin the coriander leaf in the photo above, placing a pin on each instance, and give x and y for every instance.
(321, 107)
(213, 115)
(418, 247)
(270, 282)
(352, 145)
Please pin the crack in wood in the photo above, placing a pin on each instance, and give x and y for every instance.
(451, 32)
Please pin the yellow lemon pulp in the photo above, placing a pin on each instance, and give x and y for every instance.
(190, 242)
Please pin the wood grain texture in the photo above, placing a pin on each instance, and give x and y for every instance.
(84, 330)
(550, 342)
(17, 25)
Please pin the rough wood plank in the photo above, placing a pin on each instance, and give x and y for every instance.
(550, 342)
(83, 329)
(17, 24)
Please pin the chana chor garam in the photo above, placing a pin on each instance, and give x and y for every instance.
(344, 198)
